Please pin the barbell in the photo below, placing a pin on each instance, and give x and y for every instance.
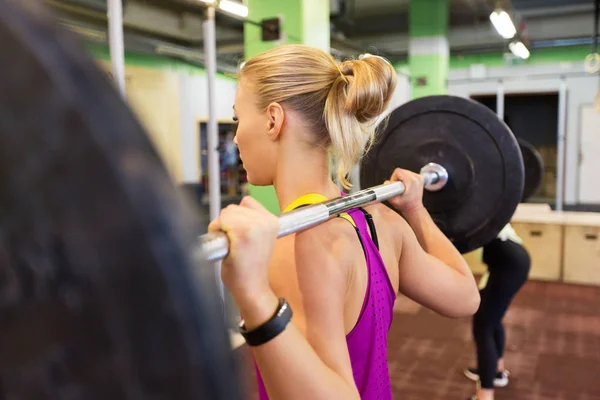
(215, 245)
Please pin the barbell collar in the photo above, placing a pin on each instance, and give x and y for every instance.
(438, 174)
(214, 246)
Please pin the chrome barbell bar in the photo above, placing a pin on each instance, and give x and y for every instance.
(214, 246)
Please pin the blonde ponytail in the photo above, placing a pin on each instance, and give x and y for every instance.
(353, 106)
(340, 103)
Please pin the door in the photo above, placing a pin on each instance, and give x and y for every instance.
(589, 156)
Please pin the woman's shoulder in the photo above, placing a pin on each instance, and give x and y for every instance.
(391, 228)
(335, 233)
(329, 248)
(381, 210)
(334, 239)
(387, 218)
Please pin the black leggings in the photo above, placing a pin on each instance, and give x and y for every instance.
(508, 264)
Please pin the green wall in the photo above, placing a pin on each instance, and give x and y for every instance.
(428, 18)
(538, 56)
(434, 67)
(496, 59)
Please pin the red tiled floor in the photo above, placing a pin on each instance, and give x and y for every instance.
(553, 348)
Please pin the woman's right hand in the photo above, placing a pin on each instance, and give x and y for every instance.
(252, 232)
(412, 198)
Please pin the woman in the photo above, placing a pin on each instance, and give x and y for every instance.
(296, 106)
(508, 268)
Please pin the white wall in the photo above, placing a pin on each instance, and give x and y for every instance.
(581, 89)
(402, 94)
(581, 92)
(194, 108)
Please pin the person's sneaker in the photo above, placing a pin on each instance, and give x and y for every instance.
(500, 380)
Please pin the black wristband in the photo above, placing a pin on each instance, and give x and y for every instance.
(270, 329)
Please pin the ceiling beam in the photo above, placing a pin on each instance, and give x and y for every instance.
(557, 10)
(142, 16)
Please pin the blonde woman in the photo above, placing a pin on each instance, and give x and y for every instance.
(296, 107)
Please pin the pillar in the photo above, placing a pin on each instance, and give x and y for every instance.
(302, 22)
(428, 47)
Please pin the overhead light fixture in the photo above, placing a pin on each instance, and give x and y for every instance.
(503, 24)
(519, 50)
(234, 8)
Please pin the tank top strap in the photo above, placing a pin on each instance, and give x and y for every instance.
(360, 221)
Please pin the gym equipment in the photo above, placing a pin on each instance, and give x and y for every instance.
(473, 173)
(215, 245)
(482, 157)
(534, 169)
(100, 297)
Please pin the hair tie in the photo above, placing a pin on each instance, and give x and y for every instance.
(342, 74)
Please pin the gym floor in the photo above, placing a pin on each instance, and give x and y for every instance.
(553, 337)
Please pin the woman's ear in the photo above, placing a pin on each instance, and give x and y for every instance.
(276, 118)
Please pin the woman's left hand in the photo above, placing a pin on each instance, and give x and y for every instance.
(252, 232)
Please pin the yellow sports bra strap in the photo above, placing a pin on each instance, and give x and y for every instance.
(314, 198)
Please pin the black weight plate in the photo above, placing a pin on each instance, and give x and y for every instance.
(534, 169)
(98, 296)
(479, 152)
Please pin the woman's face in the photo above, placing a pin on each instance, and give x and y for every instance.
(257, 149)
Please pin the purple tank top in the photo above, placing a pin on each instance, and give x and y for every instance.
(367, 342)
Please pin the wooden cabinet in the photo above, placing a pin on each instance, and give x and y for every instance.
(582, 254)
(153, 96)
(544, 242)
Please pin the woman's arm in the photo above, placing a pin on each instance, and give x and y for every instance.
(434, 242)
(432, 271)
(290, 366)
(309, 359)
(437, 278)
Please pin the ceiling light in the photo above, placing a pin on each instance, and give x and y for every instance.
(233, 7)
(503, 24)
(519, 50)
